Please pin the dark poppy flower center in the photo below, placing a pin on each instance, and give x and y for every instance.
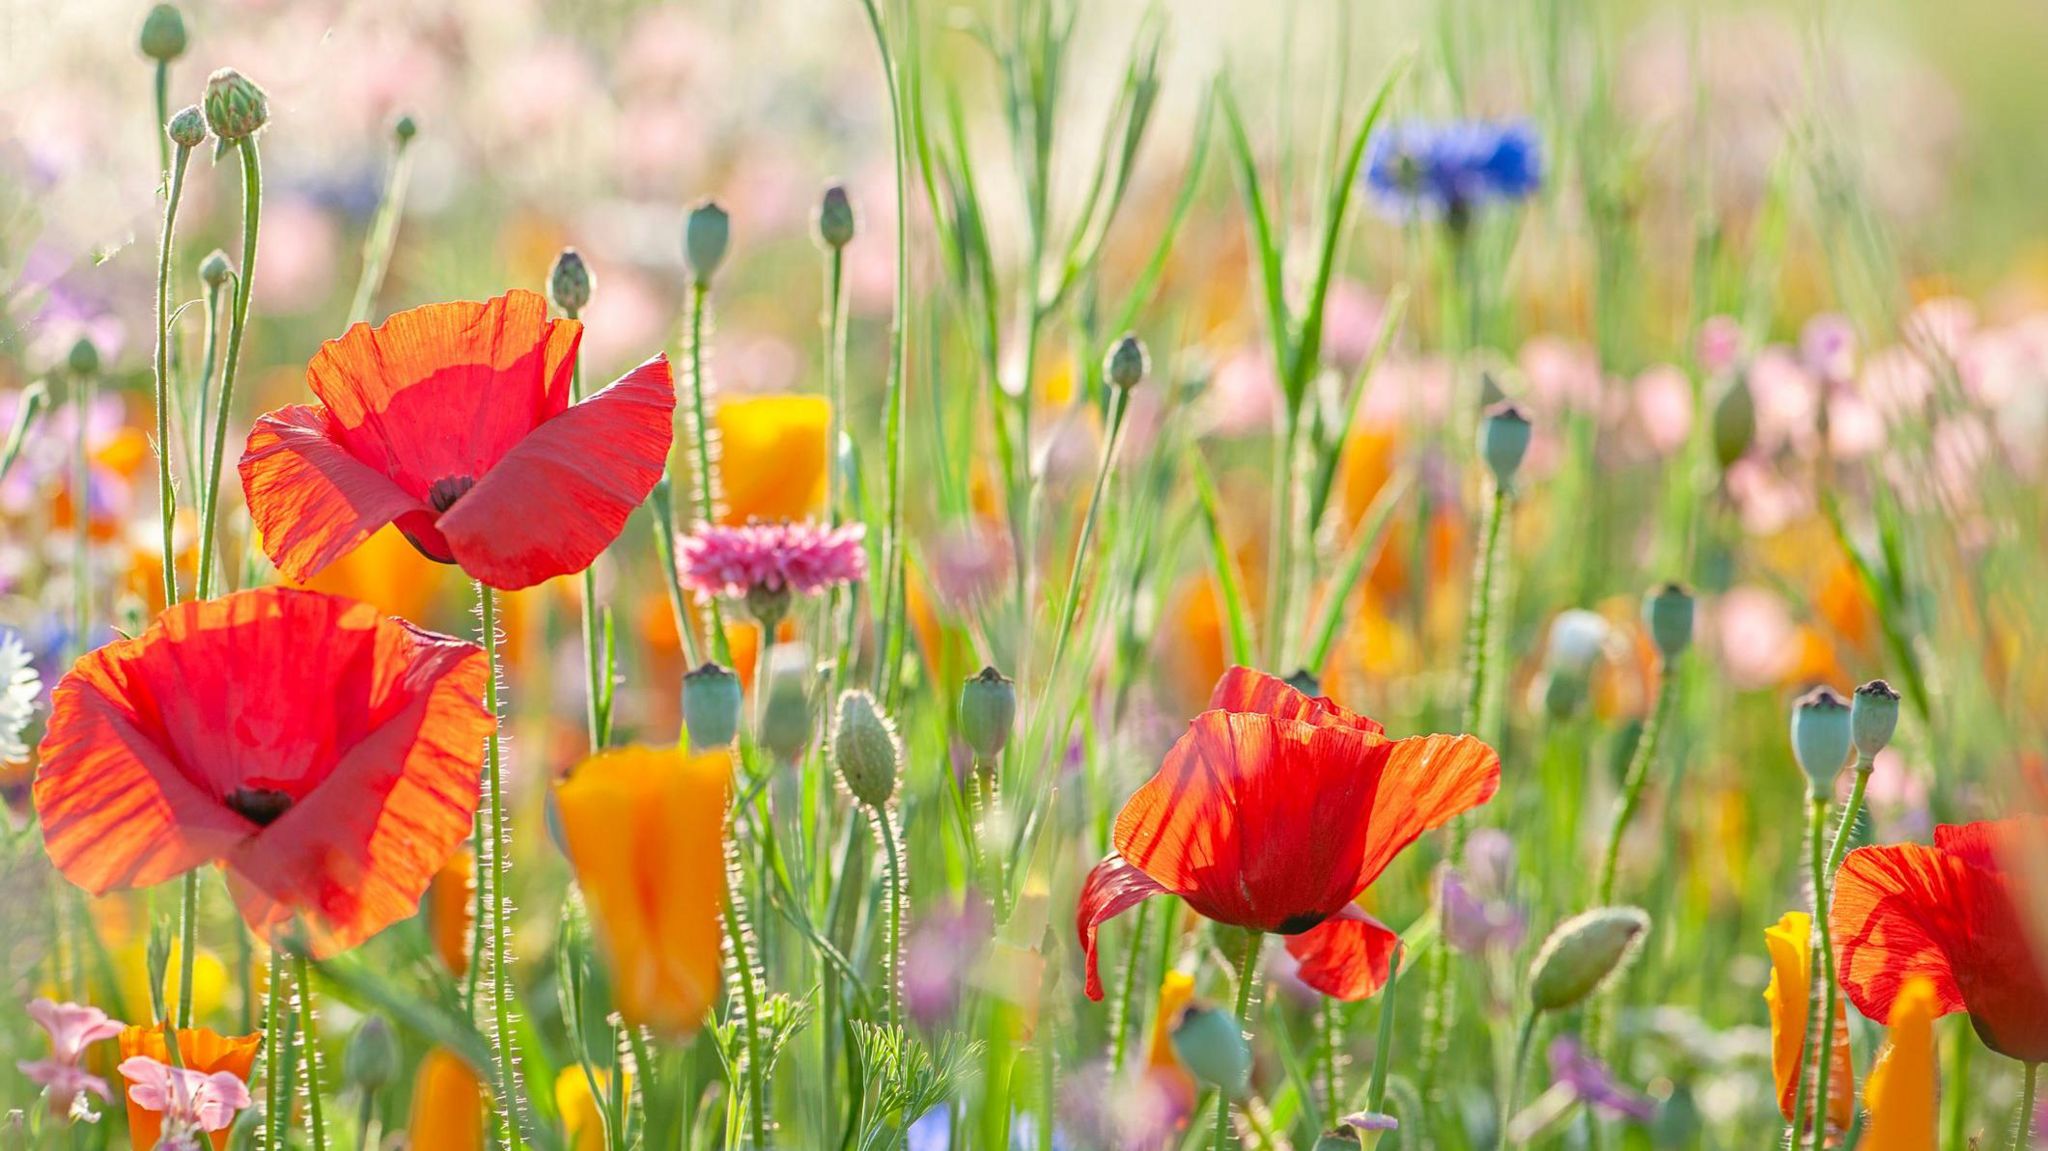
(1299, 923)
(445, 491)
(259, 805)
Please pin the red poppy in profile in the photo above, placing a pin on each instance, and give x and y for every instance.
(1950, 913)
(1274, 812)
(327, 756)
(453, 422)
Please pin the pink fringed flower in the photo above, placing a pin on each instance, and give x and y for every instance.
(190, 1101)
(772, 559)
(72, 1028)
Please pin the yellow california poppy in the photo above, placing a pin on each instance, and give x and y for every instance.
(771, 456)
(447, 1104)
(645, 830)
(1791, 948)
(1901, 1091)
(451, 910)
(582, 1111)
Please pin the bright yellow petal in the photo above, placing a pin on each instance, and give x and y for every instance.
(772, 456)
(582, 1112)
(1901, 1094)
(447, 1105)
(1790, 942)
(1174, 994)
(209, 979)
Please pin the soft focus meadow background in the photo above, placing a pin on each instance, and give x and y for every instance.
(1834, 207)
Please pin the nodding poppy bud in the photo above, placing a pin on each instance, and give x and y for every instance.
(235, 106)
(768, 605)
(1873, 716)
(1820, 736)
(163, 33)
(1211, 1045)
(84, 358)
(1734, 421)
(865, 747)
(1581, 954)
(786, 713)
(1503, 441)
(404, 129)
(371, 1059)
(705, 235)
(187, 128)
(1667, 612)
(835, 218)
(988, 710)
(711, 706)
(1304, 681)
(215, 269)
(569, 283)
(1127, 362)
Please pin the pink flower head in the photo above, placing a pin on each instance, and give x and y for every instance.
(188, 1100)
(773, 557)
(72, 1028)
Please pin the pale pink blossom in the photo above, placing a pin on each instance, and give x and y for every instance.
(1663, 402)
(188, 1100)
(72, 1027)
(1351, 324)
(1720, 343)
(802, 557)
(1755, 636)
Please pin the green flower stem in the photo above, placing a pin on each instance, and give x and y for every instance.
(82, 389)
(595, 664)
(1383, 1047)
(1120, 1009)
(899, 892)
(1246, 978)
(1823, 907)
(891, 619)
(316, 1118)
(493, 907)
(162, 87)
(739, 937)
(188, 942)
(2023, 1124)
(1071, 602)
(1329, 1035)
(705, 478)
(1524, 1040)
(274, 1095)
(1647, 746)
(1814, 1060)
(383, 234)
(1281, 543)
(252, 210)
(167, 495)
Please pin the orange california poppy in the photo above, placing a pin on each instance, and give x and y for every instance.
(453, 422)
(199, 1049)
(451, 910)
(447, 1105)
(325, 755)
(1902, 1092)
(771, 453)
(1275, 812)
(1950, 914)
(645, 832)
(1790, 942)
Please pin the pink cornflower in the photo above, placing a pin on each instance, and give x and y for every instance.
(72, 1028)
(770, 558)
(190, 1101)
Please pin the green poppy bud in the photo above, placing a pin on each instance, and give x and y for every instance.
(768, 605)
(371, 1059)
(786, 714)
(865, 747)
(1127, 363)
(403, 130)
(988, 710)
(1820, 736)
(835, 218)
(84, 359)
(1873, 716)
(1504, 435)
(1668, 613)
(711, 706)
(235, 106)
(215, 269)
(187, 128)
(163, 33)
(1304, 681)
(706, 232)
(569, 283)
(1734, 424)
(1211, 1045)
(1581, 954)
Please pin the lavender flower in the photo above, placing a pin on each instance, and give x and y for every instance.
(1593, 1084)
(1449, 171)
(770, 557)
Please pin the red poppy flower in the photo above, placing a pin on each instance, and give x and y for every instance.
(1274, 813)
(453, 421)
(325, 755)
(1952, 914)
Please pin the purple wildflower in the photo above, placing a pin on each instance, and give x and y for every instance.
(771, 557)
(1593, 1084)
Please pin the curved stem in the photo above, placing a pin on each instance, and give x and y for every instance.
(1383, 1047)
(167, 495)
(383, 234)
(497, 910)
(1819, 1038)
(705, 478)
(899, 891)
(252, 210)
(1120, 1010)
(1246, 965)
(2023, 1124)
(163, 117)
(316, 1118)
(737, 934)
(1071, 602)
(1524, 1039)
(1645, 756)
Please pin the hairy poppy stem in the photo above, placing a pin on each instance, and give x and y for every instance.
(899, 892)
(274, 1053)
(316, 1117)
(383, 234)
(252, 212)
(1524, 1040)
(2023, 1124)
(494, 903)
(1819, 1041)
(1383, 1046)
(188, 942)
(736, 933)
(167, 495)
(1329, 1035)
(706, 478)
(1247, 965)
(1120, 1010)
(596, 667)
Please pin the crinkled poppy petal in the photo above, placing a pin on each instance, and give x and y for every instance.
(1256, 821)
(446, 390)
(1346, 956)
(357, 852)
(311, 500)
(562, 496)
(1112, 888)
(1895, 910)
(1248, 689)
(1428, 780)
(1998, 968)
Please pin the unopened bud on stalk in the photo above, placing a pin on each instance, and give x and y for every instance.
(1873, 716)
(1734, 421)
(711, 706)
(163, 33)
(865, 747)
(371, 1059)
(84, 358)
(1211, 1045)
(215, 269)
(404, 129)
(1581, 954)
(235, 107)
(570, 283)
(988, 710)
(187, 128)
(1668, 613)
(1127, 363)
(1503, 440)
(706, 232)
(1343, 1138)
(1820, 736)
(786, 713)
(835, 218)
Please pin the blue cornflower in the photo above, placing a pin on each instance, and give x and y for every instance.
(1448, 171)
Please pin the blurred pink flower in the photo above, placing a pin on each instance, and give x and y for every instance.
(300, 245)
(802, 557)
(1787, 402)
(1563, 374)
(1755, 636)
(189, 1100)
(1827, 348)
(1663, 403)
(1766, 501)
(969, 565)
(1720, 344)
(1243, 397)
(72, 1027)
(1351, 324)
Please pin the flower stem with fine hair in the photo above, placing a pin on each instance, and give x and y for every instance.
(1247, 969)
(492, 903)
(316, 1118)
(705, 480)
(2023, 1124)
(252, 210)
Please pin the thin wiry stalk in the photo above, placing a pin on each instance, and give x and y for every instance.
(704, 447)
(252, 211)
(383, 234)
(743, 972)
(495, 912)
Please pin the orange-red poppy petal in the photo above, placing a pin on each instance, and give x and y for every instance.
(311, 500)
(1248, 689)
(1895, 908)
(1113, 887)
(1346, 956)
(563, 494)
(1427, 781)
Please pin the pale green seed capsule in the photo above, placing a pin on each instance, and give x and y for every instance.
(866, 750)
(1504, 436)
(1127, 363)
(786, 714)
(84, 358)
(1668, 612)
(706, 232)
(1873, 716)
(163, 33)
(371, 1059)
(835, 218)
(711, 707)
(988, 711)
(1581, 954)
(1211, 1045)
(570, 283)
(1821, 736)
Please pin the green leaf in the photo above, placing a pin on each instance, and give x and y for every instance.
(1365, 544)
(1222, 564)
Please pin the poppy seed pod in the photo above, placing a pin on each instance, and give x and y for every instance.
(865, 747)
(1873, 716)
(215, 269)
(785, 727)
(404, 129)
(83, 359)
(1127, 362)
(187, 128)
(1211, 1045)
(835, 221)
(1581, 953)
(1504, 434)
(235, 107)
(1820, 736)
(163, 33)
(1734, 421)
(372, 1057)
(711, 706)
(1668, 613)
(988, 710)
(569, 283)
(706, 232)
